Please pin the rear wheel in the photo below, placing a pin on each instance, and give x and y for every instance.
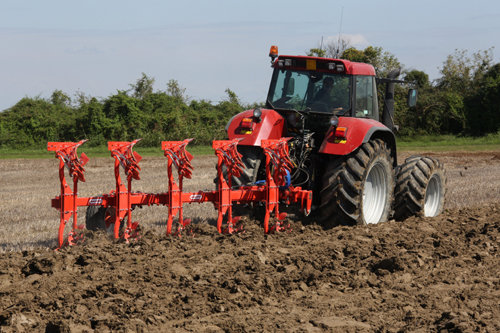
(358, 188)
(420, 188)
(252, 159)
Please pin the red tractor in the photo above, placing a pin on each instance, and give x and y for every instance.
(339, 146)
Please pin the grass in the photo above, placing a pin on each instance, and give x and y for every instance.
(417, 143)
(449, 143)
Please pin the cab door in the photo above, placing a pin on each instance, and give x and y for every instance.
(365, 101)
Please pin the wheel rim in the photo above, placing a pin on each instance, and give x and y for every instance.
(375, 194)
(432, 197)
(109, 216)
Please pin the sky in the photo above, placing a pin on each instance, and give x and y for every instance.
(98, 47)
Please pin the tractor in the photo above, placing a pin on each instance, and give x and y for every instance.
(342, 146)
(318, 144)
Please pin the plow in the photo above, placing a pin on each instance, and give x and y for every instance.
(119, 203)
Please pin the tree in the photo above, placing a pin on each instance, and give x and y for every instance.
(461, 72)
(174, 89)
(381, 60)
(461, 80)
(333, 49)
(96, 124)
(58, 97)
(420, 78)
(482, 108)
(143, 86)
(316, 52)
(232, 97)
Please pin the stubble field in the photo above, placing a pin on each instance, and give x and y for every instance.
(423, 274)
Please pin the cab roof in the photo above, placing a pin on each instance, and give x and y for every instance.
(324, 65)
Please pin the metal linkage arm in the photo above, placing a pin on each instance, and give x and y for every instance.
(129, 160)
(228, 156)
(278, 167)
(278, 164)
(66, 152)
(177, 155)
(277, 156)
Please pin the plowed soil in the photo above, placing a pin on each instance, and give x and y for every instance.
(423, 274)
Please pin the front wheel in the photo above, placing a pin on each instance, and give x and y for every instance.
(358, 188)
(420, 188)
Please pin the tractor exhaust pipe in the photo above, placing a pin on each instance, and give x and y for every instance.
(388, 111)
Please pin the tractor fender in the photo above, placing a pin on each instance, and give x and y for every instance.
(269, 126)
(359, 131)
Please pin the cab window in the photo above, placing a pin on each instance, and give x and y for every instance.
(365, 101)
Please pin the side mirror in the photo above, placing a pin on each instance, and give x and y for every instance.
(290, 88)
(412, 97)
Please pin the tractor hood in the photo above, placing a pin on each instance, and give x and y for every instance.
(251, 126)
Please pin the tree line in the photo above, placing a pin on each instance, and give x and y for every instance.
(465, 100)
(139, 112)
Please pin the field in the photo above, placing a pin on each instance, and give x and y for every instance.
(425, 274)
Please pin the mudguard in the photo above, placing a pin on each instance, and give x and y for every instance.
(359, 131)
(270, 126)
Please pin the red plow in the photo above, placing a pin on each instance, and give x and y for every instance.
(120, 202)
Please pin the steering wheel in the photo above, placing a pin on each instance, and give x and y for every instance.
(319, 106)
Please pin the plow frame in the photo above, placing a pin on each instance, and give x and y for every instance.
(123, 200)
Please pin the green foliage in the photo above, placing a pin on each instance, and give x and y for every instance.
(464, 100)
(34, 121)
(143, 86)
(381, 60)
(175, 90)
(461, 72)
(141, 112)
(457, 94)
(419, 78)
(482, 107)
(332, 49)
(231, 96)
(316, 52)
(60, 98)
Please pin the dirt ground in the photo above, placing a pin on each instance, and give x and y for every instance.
(424, 274)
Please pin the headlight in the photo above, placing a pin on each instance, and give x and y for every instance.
(334, 121)
(257, 113)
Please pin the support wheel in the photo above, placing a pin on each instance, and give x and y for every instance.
(96, 216)
(357, 189)
(420, 188)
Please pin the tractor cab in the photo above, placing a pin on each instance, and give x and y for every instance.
(320, 89)
(323, 86)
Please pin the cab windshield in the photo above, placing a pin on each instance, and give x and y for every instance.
(310, 91)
